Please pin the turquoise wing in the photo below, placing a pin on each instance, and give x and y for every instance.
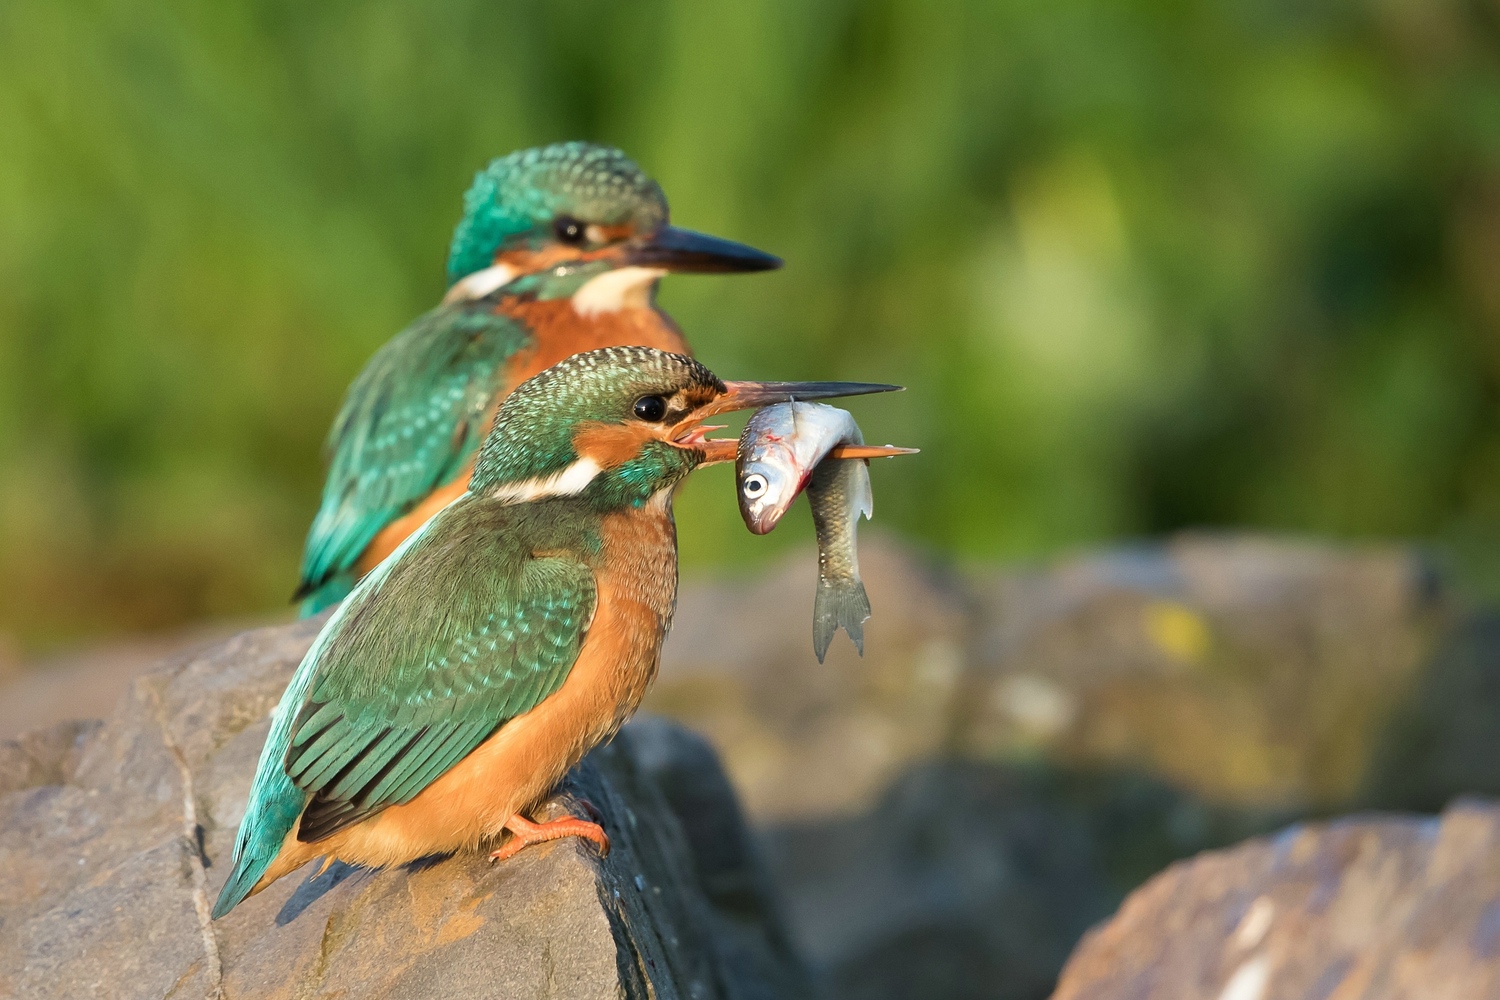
(425, 667)
(410, 422)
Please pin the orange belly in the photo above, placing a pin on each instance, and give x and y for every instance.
(560, 333)
(523, 761)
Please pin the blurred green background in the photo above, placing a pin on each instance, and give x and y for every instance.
(1144, 264)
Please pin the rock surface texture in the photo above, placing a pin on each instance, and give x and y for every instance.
(115, 838)
(1019, 749)
(1016, 752)
(1367, 908)
(1246, 670)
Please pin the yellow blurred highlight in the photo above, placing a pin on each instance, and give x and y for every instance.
(1177, 630)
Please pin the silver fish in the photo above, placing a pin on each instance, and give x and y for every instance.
(785, 448)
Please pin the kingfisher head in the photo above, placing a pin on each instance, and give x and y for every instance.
(620, 425)
(578, 216)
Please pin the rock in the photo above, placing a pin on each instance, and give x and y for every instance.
(1250, 671)
(965, 882)
(974, 880)
(1017, 750)
(802, 739)
(1444, 739)
(113, 846)
(1368, 908)
(86, 683)
(44, 756)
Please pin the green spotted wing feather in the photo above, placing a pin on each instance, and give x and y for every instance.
(410, 423)
(407, 689)
(464, 627)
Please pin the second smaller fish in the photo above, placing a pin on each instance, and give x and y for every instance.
(787, 447)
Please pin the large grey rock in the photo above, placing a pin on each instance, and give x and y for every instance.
(1019, 749)
(114, 840)
(1444, 740)
(802, 739)
(1246, 670)
(1368, 908)
(973, 881)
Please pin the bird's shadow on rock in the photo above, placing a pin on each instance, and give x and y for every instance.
(319, 883)
(313, 888)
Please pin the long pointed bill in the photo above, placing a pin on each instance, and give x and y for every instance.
(683, 250)
(753, 395)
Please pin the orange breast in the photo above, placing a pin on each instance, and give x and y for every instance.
(562, 333)
(523, 761)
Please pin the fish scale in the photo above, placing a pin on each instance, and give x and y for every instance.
(784, 449)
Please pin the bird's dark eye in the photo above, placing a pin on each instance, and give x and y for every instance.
(568, 229)
(651, 408)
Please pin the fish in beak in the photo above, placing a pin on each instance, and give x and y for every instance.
(754, 395)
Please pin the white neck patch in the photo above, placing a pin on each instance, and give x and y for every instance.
(622, 288)
(568, 483)
(480, 283)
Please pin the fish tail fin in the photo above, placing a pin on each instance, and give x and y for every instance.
(275, 804)
(839, 603)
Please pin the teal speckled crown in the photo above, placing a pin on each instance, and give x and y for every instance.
(527, 189)
(533, 432)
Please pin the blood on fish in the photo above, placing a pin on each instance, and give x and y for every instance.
(838, 491)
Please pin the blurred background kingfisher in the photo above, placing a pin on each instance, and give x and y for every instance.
(506, 637)
(559, 251)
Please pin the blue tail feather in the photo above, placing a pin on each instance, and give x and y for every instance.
(335, 589)
(275, 804)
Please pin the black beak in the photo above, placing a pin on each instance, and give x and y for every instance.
(683, 250)
(750, 395)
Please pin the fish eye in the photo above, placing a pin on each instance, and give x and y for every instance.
(650, 408)
(568, 229)
(754, 485)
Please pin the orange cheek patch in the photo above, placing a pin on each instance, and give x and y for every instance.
(611, 445)
(527, 261)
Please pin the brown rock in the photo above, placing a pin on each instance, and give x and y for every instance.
(804, 739)
(1015, 751)
(1245, 670)
(44, 756)
(107, 870)
(1367, 908)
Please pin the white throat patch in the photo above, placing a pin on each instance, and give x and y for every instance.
(480, 283)
(622, 288)
(568, 483)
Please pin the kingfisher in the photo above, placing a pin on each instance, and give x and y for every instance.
(502, 640)
(559, 251)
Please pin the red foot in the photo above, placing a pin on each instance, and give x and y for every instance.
(524, 833)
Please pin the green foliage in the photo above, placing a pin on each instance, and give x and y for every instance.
(1144, 263)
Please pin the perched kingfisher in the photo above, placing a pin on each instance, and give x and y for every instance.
(503, 639)
(559, 251)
